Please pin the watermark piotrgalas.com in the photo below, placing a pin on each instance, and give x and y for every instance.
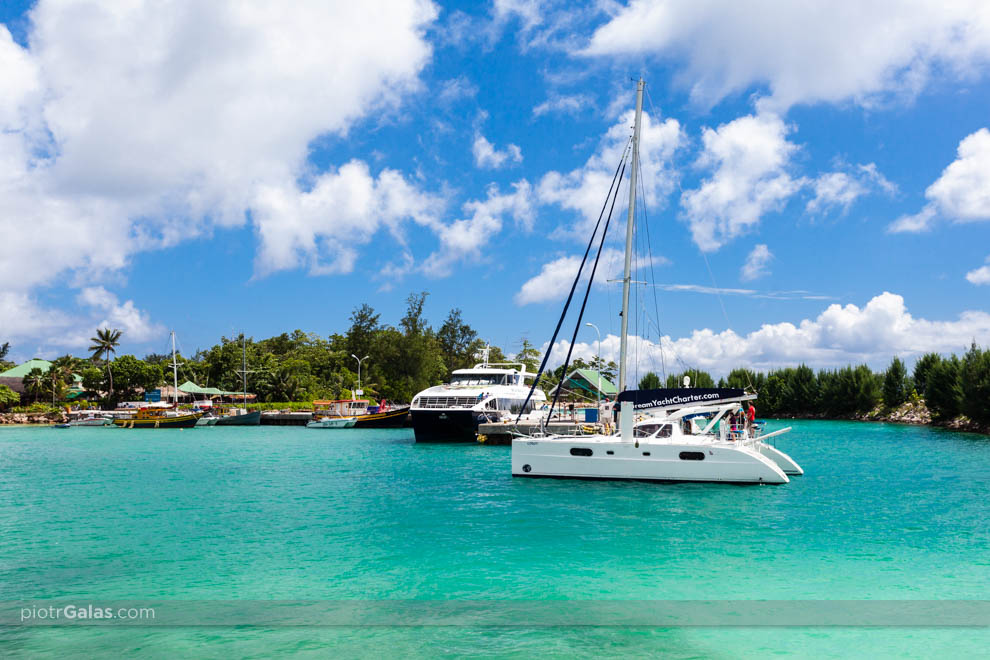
(497, 613)
(84, 612)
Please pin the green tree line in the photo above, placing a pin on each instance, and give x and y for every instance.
(412, 355)
(402, 360)
(951, 386)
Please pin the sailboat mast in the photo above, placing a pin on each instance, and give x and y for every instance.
(630, 219)
(244, 367)
(175, 372)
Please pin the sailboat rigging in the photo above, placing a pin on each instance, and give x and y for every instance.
(675, 434)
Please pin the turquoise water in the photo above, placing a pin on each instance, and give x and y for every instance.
(284, 513)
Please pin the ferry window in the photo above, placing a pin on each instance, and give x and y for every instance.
(665, 431)
(645, 430)
(692, 456)
(581, 451)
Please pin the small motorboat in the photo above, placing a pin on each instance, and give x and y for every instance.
(332, 423)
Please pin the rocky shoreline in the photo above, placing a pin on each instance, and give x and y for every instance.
(910, 412)
(33, 419)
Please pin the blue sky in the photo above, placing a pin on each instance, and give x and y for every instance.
(230, 166)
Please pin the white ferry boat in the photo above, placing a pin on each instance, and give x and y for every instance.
(484, 393)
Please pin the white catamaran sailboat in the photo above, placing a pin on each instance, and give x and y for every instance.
(676, 434)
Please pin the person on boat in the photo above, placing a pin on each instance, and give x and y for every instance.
(750, 415)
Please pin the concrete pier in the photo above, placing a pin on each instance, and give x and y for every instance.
(285, 419)
(502, 433)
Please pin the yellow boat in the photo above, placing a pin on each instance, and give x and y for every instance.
(158, 418)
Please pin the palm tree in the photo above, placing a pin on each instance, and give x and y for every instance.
(61, 373)
(106, 342)
(34, 382)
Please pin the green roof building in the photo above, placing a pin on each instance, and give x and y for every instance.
(14, 377)
(586, 384)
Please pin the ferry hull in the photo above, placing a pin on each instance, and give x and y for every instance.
(248, 419)
(648, 462)
(446, 425)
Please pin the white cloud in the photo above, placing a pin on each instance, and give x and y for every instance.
(322, 228)
(804, 52)
(835, 189)
(920, 221)
(19, 82)
(841, 189)
(528, 11)
(796, 294)
(583, 190)
(565, 104)
(749, 158)
(135, 324)
(980, 275)
(130, 126)
(840, 335)
(961, 193)
(554, 280)
(486, 155)
(54, 330)
(456, 89)
(756, 263)
(463, 239)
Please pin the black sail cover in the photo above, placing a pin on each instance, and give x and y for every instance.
(679, 397)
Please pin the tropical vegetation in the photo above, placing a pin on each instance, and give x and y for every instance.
(412, 355)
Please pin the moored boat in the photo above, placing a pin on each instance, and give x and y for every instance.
(389, 418)
(382, 416)
(92, 421)
(332, 423)
(240, 417)
(158, 418)
(484, 393)
(676, 434)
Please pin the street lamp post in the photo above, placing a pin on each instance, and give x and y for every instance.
(599, 370)
(359, 391)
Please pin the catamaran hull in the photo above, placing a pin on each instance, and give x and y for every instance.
(247, 419)
(648, 462)
(446, 425)
(787, 464)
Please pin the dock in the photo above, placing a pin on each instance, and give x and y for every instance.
(501, 433)
(285, 418)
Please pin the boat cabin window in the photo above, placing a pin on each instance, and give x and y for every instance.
(692, 456)
(581, 451)
(479, 379)
(665, 431)
(645, 430)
